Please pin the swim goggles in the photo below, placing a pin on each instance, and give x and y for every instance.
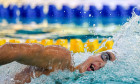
(105, 56)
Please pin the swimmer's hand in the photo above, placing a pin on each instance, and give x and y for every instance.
(50, 57)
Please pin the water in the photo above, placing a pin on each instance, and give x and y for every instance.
(126, 69)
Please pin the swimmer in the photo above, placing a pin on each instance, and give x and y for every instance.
(44, 60)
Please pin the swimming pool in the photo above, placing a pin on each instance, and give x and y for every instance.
(123, 71)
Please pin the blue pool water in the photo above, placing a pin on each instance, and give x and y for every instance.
(126, 69)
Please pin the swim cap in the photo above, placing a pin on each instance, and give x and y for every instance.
(113, 51)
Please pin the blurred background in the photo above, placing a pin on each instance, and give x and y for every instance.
(64, 19)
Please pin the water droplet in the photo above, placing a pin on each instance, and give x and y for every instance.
(89, 15)
(50, 67)
(91, 40)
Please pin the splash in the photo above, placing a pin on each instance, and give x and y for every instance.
(8, 71)
(126, 69)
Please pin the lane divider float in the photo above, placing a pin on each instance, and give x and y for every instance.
(75, 45)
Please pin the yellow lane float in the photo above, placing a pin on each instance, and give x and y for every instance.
(14, 41)
(46, 42)
(2, 41)
(92, 45)
(31, 41)
(76, 45)
(108, 46)
(62, 42)
(104, 40)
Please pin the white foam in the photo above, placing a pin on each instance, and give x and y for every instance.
(8, 71)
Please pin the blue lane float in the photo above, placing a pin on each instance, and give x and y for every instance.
(107, 12)
(66, 12)
(53, 12)
(79, 12)
(130, 10)
(120, 11)
(66, 15)
(39, 12)
(3, 12)
(12, 11)
(93, 12)
(136, 10)
(27, 12)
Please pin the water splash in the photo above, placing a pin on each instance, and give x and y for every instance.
(126, 69)
(8, 71)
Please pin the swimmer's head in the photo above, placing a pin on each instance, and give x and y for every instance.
(97, 61)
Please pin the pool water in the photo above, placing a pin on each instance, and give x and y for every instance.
(124, 70)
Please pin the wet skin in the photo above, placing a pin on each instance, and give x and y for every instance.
(36, 55)
(95, 62)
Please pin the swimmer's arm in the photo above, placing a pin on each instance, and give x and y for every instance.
(29, 72)
(7, 54)
(36, 55)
